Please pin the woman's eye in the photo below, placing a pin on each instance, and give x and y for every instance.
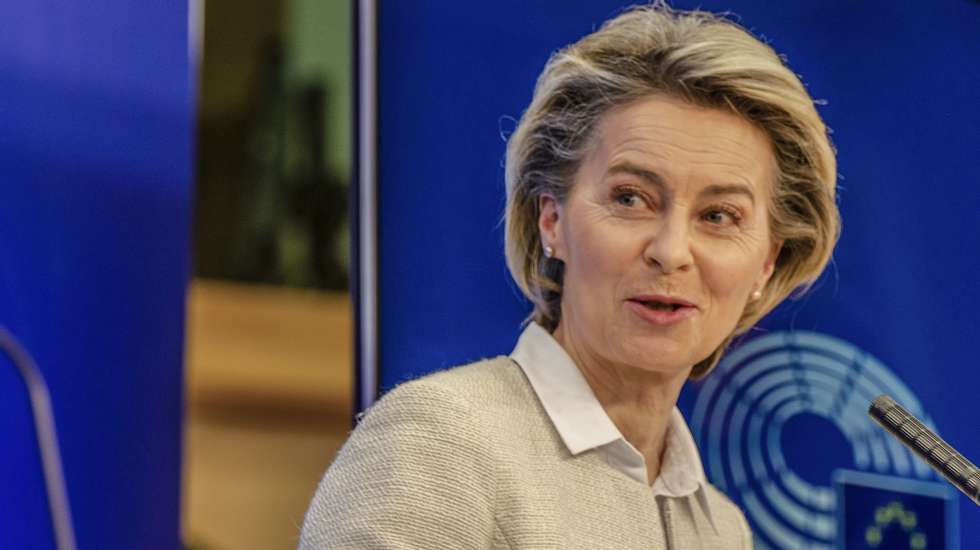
(628, 199)
(721, 217)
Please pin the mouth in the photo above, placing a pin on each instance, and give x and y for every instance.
(662, 303)
(660, 306)
(662, 310)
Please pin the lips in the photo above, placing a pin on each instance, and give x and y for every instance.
(662, 310)
(662, 302)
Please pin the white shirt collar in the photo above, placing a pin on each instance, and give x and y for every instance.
(583, 424)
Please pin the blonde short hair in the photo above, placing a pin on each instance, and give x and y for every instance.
(706, 60)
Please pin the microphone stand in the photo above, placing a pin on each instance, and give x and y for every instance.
(47, 440)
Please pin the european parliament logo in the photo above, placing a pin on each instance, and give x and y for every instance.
(874, 495)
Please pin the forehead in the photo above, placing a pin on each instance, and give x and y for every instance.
(682, 142)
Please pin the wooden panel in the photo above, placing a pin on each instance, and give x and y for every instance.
(268, 386)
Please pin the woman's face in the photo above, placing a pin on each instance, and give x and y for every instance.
(664, 235)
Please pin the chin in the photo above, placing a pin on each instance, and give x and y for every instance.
(662, 357)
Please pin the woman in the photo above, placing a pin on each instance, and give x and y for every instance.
(670, 183)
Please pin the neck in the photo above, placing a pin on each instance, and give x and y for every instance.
(639, 402)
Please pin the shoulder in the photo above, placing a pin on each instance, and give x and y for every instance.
(464, 401)
(478, 383)
(444, 402)
(487, 375)
(728, 517)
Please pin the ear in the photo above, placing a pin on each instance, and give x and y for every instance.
(549, 223)
(770, 266)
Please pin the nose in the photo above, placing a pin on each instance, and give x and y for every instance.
(669, 248)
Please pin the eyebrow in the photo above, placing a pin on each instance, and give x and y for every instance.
(730, 189)
(649, 177)
(657, 181)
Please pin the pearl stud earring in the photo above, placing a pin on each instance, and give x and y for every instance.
(756, 294)
(548, 251)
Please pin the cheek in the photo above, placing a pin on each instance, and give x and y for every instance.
(731, 274)
(599, 254)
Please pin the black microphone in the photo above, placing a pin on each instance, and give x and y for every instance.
(963, 474)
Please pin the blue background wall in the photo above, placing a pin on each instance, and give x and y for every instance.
(901, 82)
(96, 111)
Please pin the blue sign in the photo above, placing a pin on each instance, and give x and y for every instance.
(758, 391)
(881, 513)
